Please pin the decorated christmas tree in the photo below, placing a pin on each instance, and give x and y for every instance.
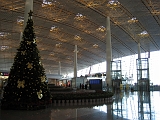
(26, 87)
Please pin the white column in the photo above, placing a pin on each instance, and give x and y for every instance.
(75, 61)
(59, 68)
(21, 35)
(28, 7)
(139, 50)
(108, 52)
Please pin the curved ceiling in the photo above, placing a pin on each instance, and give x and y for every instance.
(60, 25)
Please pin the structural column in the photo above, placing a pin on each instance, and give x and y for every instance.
(139, 50)
(75, 61)
(59, 68)
(28, 7)
(75, 65)
(21, 35)
(108, 52)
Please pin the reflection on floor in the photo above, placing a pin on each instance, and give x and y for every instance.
(126, 106)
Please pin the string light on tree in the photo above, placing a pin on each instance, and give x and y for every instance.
(27, 87)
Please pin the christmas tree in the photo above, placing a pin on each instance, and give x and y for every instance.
(26, 87)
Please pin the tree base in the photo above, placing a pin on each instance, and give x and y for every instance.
(23, 106)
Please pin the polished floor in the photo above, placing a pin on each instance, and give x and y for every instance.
(126, 106)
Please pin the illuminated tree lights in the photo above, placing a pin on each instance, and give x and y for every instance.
(26, 86)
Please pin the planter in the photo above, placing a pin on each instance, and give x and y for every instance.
(63, 101)
(98, 100)
(71, 102)
(86, 101)
(59, 102)
(83, 101)
(55, 102)
(79, 101)
(75, 102)
(90, 101)
(67, 102)
(93, 101)
(102, 100)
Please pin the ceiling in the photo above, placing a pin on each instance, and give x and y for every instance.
(81, 23)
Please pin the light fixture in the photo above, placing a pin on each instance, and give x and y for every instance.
(95, 46)
(52, 54)
(58, 45)
(79, 17)
(4, 47)
(54, 28)
(144, 34)
(101, 29)
(113, 4)
(4, 34)
(133, 20)
(20, 20)
(155, 12)
(46, 3)
(77, 37)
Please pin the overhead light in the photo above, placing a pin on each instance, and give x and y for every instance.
(4, 47)
(133, 20)
(95, 46)
(52, 54)
(4, 34)
(113, 4)
(77, 37)
(155, 12)
(58, 45)
(144, 34)
(20, 20)
(79, 17)
(54, 28)
(101, 29)
(46, 3)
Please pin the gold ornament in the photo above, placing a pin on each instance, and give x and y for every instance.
(34, 41)
(29, 43)
(21, 84)
(40, 95)
(29, 65)
(23, 52)
(43, 79)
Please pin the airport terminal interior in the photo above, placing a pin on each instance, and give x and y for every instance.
(80, 46)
